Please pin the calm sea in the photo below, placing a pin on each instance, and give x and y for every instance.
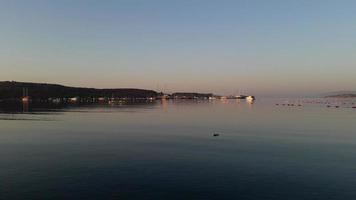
(166, 150)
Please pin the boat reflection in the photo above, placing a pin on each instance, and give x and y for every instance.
(25, 106)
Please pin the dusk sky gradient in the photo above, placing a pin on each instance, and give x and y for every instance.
(263, 47)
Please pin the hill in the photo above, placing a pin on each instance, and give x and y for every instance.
(14, 90)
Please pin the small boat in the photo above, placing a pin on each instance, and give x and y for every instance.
(250, 98)
(26, 99)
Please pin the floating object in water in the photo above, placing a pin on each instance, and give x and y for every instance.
(337, 106)
(299, 104)
(216, 134)
(353, 106)
(328, 106)
(277, 104)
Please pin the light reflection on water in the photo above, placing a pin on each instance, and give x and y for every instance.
(166, 150)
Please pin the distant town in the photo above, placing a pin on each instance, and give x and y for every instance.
(53, 93)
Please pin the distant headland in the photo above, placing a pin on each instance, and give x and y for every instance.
(341, 96)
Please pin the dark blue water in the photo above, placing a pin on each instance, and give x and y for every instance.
(166, 150)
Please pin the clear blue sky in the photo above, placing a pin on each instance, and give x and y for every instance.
(263, 47)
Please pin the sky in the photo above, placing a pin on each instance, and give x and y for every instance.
(259, 47)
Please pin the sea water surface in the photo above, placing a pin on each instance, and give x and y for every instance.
(166, 150)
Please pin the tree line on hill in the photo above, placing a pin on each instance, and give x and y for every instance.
(15, 90)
